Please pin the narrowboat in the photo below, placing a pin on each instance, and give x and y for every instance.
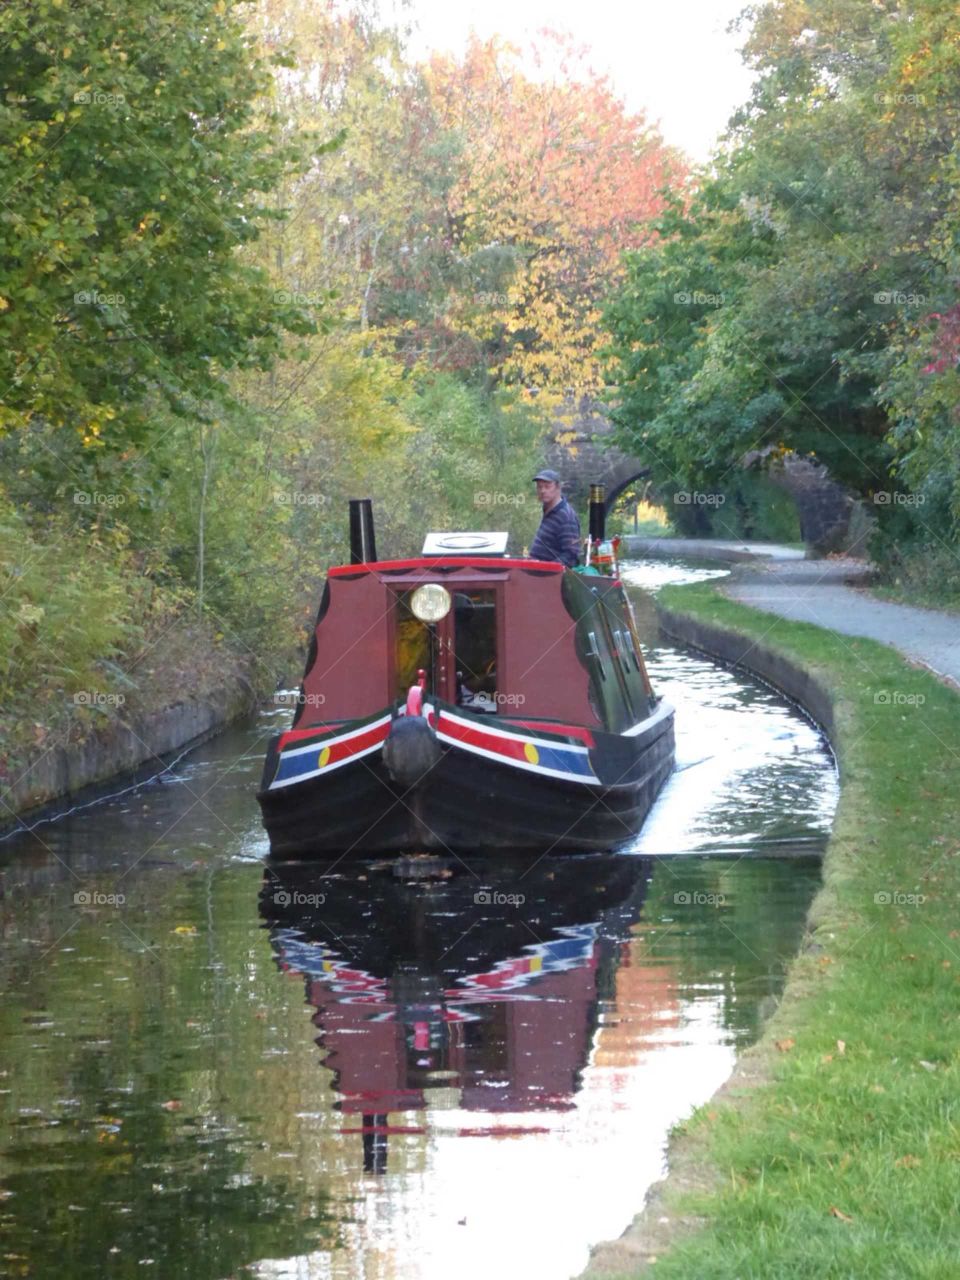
(468, 701)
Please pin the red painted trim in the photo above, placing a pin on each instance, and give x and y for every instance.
(297, 735)
(543, 726)
(384, 1128)
(505, 1131)
(349, 747)
(513, 750)
(444, 562)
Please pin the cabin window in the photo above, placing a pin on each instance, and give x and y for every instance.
(475, 648)
(621, 649)
(633, 650)
(593, 649)
(626, 650)
(618, 659)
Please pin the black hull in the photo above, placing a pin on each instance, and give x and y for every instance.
(470, 804)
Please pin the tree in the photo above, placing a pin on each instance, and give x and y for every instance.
(132, 172)
(360, 211)
(817, 242)
(556, 180)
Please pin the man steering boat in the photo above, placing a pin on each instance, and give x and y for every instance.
(558, 537)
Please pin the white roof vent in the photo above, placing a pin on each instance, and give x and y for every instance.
(465, 544)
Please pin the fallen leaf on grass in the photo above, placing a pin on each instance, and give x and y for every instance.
(189, 929)
(907, 1162)
(838, 1213)
(841, 1046)
(785, 1045)
(173, 1105)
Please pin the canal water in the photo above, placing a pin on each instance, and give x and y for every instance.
(210, 1067)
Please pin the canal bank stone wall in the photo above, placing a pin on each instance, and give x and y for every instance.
(58, 776)
(740, 651)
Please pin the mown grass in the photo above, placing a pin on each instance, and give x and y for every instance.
(844, 1160)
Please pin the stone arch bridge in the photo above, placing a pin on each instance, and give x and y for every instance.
(581, 452)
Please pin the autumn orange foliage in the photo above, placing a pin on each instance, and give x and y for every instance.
(557, 180)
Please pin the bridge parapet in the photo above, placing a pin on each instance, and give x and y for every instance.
(579, 453)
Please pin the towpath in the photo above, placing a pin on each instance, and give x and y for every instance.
(822, 592)
(811, 591)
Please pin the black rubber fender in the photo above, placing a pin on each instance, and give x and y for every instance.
(411, 750)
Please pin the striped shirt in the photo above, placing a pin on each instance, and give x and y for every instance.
(558, 537)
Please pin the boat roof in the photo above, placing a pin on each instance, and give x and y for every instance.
(436, 564)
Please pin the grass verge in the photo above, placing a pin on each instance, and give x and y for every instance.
(930, 599)
(927, 576)
(840, 1157)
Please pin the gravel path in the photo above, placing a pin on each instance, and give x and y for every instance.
(707, 548)
(779, 580)
(816, 591)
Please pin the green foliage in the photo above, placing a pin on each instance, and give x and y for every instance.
(73, 604)
(54, 620)
(747, 506)
(926, 573)
(467, 466)
(635, 511)
(803, 296)
(477, 450)
(181, 197)
(133, 170)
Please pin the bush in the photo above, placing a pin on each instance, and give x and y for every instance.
(926, 573)
(70, 600)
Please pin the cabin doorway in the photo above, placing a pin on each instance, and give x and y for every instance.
(458, 653)
(475, 648)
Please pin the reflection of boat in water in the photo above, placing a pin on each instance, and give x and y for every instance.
(458, 994)
(464, 700)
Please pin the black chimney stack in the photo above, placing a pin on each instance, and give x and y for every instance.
(363, 546)
(598, 513)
